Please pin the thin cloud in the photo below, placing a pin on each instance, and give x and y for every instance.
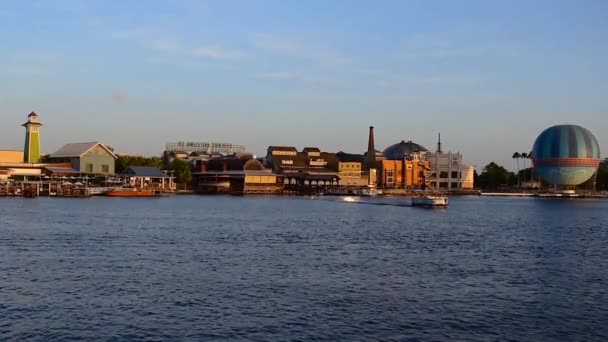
(440, 46)
(151, 39)
(293, 76)
(158, 41)
(291, 48)
(216, 52)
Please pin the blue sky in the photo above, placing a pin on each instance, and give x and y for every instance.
(488, 75)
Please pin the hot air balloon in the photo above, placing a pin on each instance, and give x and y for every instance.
(566, 155)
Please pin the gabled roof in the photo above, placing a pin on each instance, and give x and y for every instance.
(282, 148)
(145, 171)
(79, 149)
(311, 149)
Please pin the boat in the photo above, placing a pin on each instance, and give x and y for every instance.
(430, 201)
(132, 192)
(370, 191)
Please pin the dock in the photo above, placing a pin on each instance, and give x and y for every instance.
(544, 194)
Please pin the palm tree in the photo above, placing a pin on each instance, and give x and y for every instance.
(531, 167)
(524, 156)
(516, 156)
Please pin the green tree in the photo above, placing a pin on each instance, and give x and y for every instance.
(599, 181)
(182, 172)
(524, 156)
(494, 176)
(124, 162)
(602, 177)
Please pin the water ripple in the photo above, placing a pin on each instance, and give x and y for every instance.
(292, 269)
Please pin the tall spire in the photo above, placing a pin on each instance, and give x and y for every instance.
(371, 146)
(370, 142)
(439, 144)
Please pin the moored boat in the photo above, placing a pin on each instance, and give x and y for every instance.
(132, 192)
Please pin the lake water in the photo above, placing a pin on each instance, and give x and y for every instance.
(281, 268)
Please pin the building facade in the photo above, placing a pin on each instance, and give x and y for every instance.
(401, 174)
(449, 172)
(87, 158)
(354, 172)
(235, 175)
(308, 171)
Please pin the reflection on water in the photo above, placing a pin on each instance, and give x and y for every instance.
(281, 268)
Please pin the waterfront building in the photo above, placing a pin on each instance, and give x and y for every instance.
(149, 178)
(31, 152)
(401, 174)
(353, 172)
(308, 171)
(401, 166)
(448, 171)
(86, 158)
(408, 165)
(236, 175)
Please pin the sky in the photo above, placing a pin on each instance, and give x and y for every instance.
(488, 75)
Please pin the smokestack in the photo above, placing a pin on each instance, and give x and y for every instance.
(371, 145)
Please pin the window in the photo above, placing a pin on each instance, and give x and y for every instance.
(105, 168)
(454, 185)
(390, 176)
(454, 174)
(89, 168)
(443, 174)
(443, 185)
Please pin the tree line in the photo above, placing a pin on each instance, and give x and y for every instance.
(494, 177)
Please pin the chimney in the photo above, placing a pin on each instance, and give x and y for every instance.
(371, 146)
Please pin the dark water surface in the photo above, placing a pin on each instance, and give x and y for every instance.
(239, 268)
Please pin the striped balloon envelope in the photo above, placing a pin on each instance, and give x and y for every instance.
(566, 155)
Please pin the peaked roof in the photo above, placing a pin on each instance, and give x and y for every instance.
(145, 171)
(311, 149)
(78, 149)
(282, 148)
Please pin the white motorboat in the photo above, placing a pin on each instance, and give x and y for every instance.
(370, 191)
(430, 201)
